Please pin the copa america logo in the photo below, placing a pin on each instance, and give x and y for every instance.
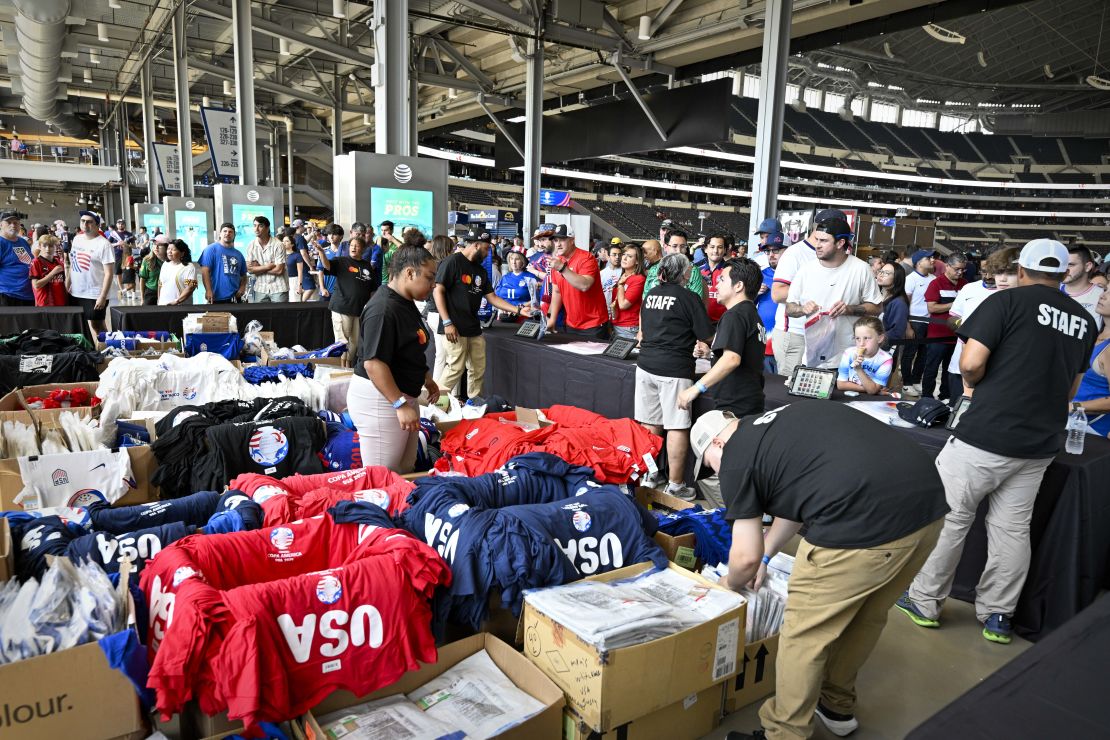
(265, 493)
(375, 496)
(190, 204)
(253, 196)
(457, 510)
(282, 538)
(85, 497)
(402, 173)
(329, 590)
(182, 574)
(581, 521)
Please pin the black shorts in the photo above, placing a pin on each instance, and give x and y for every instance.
(88, 308)
(598, 333)
(11, 300)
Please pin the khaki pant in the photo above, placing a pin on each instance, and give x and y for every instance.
(346, 329)
(1011, 484)
(790, 350)
(468, 353)
(838, 605)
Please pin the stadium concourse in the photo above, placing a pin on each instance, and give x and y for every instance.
(470, 368)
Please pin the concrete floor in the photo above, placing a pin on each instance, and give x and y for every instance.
(913, 673)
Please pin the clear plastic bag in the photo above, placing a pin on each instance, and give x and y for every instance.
(821, 345)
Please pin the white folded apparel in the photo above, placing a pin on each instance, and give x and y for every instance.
(392, 718)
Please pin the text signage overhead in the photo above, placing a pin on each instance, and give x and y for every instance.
(221, 128)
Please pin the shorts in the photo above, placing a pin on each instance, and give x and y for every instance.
(88, 308)
(657, 401)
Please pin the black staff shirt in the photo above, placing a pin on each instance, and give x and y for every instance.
(466, 284)
(354, 283)
(850, 479)
(1040, 339)
(672, 319)
(393, 332)
(741, 331)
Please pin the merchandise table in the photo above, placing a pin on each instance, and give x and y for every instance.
(1070, 531)
(63, 319)
(1053, 689)
(307, 324)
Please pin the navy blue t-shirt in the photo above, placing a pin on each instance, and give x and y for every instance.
(109, 551)
(193, 510)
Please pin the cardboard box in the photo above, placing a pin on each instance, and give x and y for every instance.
(528, 417)
(546, 724)
(214, 321)
(756, 678)
(7, 553)
(680, 549)
(265, 359)
(142, 348)
(143, 464)
(694, 717)
(612, 688)
(13, 405)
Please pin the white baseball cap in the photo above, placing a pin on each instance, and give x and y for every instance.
(1046, 255)
(705, 429)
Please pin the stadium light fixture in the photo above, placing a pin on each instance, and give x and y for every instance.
(115, 4)
(228, 89)
(645, 28)
(94, 56)
(102, 31)
(943, 34)
(283, 47)
(339, 8)
(1099, 83)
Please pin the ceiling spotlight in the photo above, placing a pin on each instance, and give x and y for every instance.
(943, 34)
(114, 4)
(92, 111)
(102, 31)
(27, 197)
(1100, 83)
(228, 89)
(339, 8)
(283, 47)
(88, 76)
(12, 198)
(645, 27)
(53, 204)
(81, 201)
(452, 93)
(205, 102)
(38, 198)
(982, 59)
(94, 56)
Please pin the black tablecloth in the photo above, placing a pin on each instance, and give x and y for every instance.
(307, 324)
(1055, 689)
(64, 319)
(1070, 531)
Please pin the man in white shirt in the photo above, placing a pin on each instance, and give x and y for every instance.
(91, 265)
(917, 280)
(835, 283)
(612, 271)
(266, 261)
(789, 337)
(1077, 281)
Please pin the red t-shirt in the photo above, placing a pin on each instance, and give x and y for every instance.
(711, 276)
(54, 294)
(634, 294)
(941, 290)
(585, 309)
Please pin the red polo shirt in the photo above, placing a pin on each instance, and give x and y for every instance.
(711, 276)
(942, 290)
(585, 309)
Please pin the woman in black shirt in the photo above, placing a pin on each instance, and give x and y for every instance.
(391, 370)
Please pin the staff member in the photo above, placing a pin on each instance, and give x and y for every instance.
(354, 284)
(391, 368)
(576, 286)
(461, 284)
(868, 530)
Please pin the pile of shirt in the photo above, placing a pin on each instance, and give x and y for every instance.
(258, 374)
(134, 340)
(200, 448)
(42, 342)
(712, 532)
(302, 496)
(31, 360)
(107, 536)
(618, 450)
(537, 522)
(266, 624)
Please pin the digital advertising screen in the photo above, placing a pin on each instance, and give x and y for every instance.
(192, 228)
(243, 215)
(154, 221)
(404, 208)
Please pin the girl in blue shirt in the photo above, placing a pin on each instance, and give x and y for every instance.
(865, 368)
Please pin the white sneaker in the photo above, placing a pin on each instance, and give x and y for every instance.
(683, 492)
(840, 725)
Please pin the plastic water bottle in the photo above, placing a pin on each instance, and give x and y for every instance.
(1076, 430)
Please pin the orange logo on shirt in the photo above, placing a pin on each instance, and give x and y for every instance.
(466, 279)
(421, 336)
(352, 268)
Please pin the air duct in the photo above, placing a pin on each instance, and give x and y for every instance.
(40, 28)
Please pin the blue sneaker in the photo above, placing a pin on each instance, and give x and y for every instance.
(998, 629)
(913, 613)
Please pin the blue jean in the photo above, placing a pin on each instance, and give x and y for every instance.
(627, 332)
(769, 365)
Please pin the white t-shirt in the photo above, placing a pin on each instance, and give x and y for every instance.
(87, 258)
(609, 278)
(916, 283)
(74, 478)
(967, 300)
(175, 279)
(1087, 299)
(852, 282)
(790, 262)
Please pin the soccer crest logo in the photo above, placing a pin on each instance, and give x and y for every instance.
(329, 590)
(22, 254)
(581, 521)
(268, 446)
(281, 538)
(375, 496)
(59, 477)
(265, 493)
(85, 497)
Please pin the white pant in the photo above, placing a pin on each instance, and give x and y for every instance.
(380, 437)
(790, 350)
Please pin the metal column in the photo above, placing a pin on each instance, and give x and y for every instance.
(289, 165)
(244, 91)
(148, 134)
(337, 117)
(414, 116)
(533, 136)
(124, 180)
(391, 77)
(772, 98)
(184, 116)
(274, 156)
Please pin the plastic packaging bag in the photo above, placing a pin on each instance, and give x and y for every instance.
(821, 346)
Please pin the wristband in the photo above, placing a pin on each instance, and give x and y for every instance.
(766, 559)
(399, 403)
(563, 268)
(447, 322)
(702, 387)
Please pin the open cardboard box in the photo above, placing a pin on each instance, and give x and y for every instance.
(694, 717)
(13, 405)
(530, 418)
(607, 689)
(213, 322)
(679, 549)
(143, 464)
(265, 359)
(526, 676)
(756, 678)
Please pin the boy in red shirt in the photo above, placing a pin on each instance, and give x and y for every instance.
(48, 277)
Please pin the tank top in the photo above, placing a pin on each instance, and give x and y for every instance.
(1095, 385)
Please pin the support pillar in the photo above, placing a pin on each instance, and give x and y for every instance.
(184, 115)
(533, 136)
(244, 91)
(391, 77)
(124, 181)
(147, 92)
(289, 165)
(340, 91)
(772, 98)
(274, 157)
(414, 117)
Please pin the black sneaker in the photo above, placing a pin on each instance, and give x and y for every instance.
(838, 724)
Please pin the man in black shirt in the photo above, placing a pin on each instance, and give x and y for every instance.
(461, 284)
(869, 528)
(354, 284)
(673, 325)
(1024, 355)
(739, 345)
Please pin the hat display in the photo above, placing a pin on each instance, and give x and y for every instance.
(708, 426)
(1045, 255)
(769, 225)
(476, 234)
(563, 232)
(920, 255)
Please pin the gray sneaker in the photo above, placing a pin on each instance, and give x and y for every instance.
(683, 492)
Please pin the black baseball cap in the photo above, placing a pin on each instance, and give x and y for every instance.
(830, 214)
(476, 234)
(9, 215)
(562, 232)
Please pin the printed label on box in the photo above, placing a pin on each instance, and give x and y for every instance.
(685, 557)
(728, 641)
